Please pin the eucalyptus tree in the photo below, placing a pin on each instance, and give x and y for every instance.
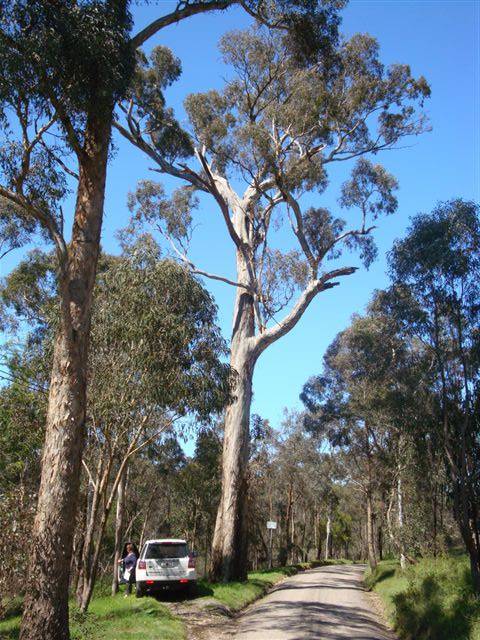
(64, 66)
(259, 144)
(436, 297)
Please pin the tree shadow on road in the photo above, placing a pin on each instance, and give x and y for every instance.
(306, 620)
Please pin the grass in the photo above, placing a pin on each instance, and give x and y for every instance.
(237, 595)
(118, 618)
(431, 600)
(115, 618)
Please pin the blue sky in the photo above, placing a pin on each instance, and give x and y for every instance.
(440, 40)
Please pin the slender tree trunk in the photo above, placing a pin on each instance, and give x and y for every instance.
(292, 538)
(372, 557)
(229, 549)
(463, 508)
(78, 542)
(288, 519)
(380, 541)
(328, 537)
(46, 602)
(102, 475)
(435, 518)
(119, 517)
(93, 545)
(319, 539)
(401, 535)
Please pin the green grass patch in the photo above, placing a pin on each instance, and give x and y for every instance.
(237, 595)
(115, 618)
(431, 600)
(118, 618)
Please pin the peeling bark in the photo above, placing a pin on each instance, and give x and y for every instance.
(229, 550)
(46, 602)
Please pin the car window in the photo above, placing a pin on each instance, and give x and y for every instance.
(156, 550)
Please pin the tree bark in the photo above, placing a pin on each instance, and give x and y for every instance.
(401, 536)
(372, 557)
(119, 518)
(46, 602)
(319, 539)
(328, 536)
(229, 549)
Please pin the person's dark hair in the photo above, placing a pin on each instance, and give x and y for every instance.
(134, 546)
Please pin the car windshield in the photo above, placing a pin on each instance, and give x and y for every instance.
(158, 550)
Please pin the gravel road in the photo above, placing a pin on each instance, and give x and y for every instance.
(328, 603)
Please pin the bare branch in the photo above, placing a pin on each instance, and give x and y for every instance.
(311, 290)
(59, 161)
(219, 197)
(47, 221)
(176, 16)
(299, 231)
(183, 173)
(206, 274)
(89, 473)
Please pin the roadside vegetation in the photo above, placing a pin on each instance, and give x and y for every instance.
(433, 598)
(113, 617)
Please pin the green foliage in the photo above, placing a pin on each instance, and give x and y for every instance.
(235, 122)
(22, 416)
(161, 322)
(152, 76)
(433, 600)
(150, 204)
(114, 618)
(22, 413)
(70, 51)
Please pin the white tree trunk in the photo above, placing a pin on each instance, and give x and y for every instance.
(229, 550)
(119, 517)
(328, 537)
(403, 560)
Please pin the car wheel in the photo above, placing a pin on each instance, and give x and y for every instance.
(139, 590)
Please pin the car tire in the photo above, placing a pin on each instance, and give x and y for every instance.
(139, 590)
(192, 589)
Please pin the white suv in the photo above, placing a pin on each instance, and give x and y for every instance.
(164, 564)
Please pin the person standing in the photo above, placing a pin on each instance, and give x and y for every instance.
(130, 557)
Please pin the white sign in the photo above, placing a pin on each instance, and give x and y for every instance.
(271, 525)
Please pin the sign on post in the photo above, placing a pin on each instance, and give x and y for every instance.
(271, 525)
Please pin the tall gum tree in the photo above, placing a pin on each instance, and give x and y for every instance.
(273, 129)
(64, 66)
